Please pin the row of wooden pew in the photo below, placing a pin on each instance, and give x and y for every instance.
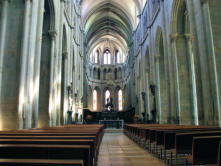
(71, 145)
(179, 144)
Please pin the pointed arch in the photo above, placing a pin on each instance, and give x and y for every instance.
(52, 14)
(162, 100)
(44, 113)
(180, 26)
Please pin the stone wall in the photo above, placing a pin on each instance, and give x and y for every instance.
(39, 61)
(177, 45)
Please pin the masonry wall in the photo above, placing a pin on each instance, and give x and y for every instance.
(177, 45)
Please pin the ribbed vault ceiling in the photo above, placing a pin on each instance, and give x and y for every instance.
(112, 20)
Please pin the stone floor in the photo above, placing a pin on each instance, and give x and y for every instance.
(118, 150)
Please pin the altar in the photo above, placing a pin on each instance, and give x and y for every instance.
(112, 119)
(116, 124)
(109, 115)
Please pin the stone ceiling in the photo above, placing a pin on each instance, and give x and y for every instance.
(113, 20)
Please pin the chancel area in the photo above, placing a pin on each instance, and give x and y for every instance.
(114, 82)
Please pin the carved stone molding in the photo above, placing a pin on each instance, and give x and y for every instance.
(189, 36)
(173, 36)
(52, 33)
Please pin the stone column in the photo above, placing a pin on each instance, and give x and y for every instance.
(191, 64)
(212, 58)
(24, 56)
(31, 62)
(148, 112)
(166, 57)
(66, 83)
(4, 16)
(52, 94)
(38, 62)
(176, 115)
(158, 104)
(58, 64)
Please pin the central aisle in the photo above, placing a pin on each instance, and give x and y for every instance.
(118, 150)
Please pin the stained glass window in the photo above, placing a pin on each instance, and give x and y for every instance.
(107, 96)
(107, 57)
(120, 100)
(118, 57)
(94, 100)
(96, 57)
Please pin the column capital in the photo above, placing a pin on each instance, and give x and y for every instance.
(189, 36)
(173, 36)
(52, 33)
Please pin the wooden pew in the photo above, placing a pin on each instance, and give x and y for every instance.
(33, 151)
(162, 137)
(82, 140)
(204, 150)
(91, 143)
(40, 162)
(183, 141)
(219, 155)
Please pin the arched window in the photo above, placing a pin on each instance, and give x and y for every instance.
(123, 58)
(94, 100)
(107, 57)
(120, 100)
(91, 57)
(107, 96)
(96, 57)
(118, 57)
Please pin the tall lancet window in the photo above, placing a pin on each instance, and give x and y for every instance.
(107, 57)
(94, 100)
(120, 100)
(107, 96)
(96, 57)
(123, 58)
(118, 57)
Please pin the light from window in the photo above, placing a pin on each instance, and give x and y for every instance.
(107, 57)
(96, 57)
(120, 100)
(107, 96)
(91, 57)
(123, 58)
(94, 100)
(118, 57)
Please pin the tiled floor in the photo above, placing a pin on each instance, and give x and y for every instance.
(118, 150)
